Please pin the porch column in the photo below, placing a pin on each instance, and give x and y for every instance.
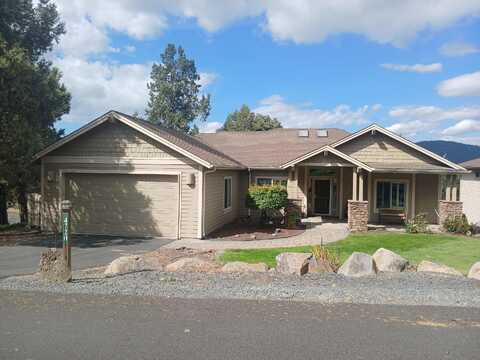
(448, 189)
(370, 195)
(340, 209)
(414, 190)
(305, 189)
(454, 188)
(360, 186)
(354, 183)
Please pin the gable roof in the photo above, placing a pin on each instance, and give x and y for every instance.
(376, 127)
(332, 150)
(268, 149)
(471, 164)
(184, 144)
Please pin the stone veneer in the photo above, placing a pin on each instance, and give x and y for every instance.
(448, 209)
(358, 215)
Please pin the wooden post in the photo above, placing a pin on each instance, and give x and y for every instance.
(305, 190)
(340, 202)
(354, 183)
(448, 189)
(360, 186)
(370, 195)
(414, 190)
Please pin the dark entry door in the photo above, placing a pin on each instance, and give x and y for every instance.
(322, 196)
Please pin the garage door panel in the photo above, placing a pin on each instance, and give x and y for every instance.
(124, 204)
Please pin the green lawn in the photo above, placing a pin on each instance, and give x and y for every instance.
(459, 252)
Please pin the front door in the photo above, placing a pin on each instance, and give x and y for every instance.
(322, 196)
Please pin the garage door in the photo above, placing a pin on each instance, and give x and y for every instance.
(122, 204)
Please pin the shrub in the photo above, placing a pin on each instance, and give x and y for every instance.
(293, 217)
(458, 224)
(325, 255)
(267, 198)
(417, 225)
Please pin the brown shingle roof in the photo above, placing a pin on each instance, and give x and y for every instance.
(471, 164)
(268, 149)
(188, 143)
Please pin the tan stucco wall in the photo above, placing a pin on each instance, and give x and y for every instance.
(129, 151)
(215, 215)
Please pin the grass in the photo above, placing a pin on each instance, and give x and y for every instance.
(459, 252)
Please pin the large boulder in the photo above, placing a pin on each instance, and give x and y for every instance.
(132, 263)
(293, 263)
(193, 264)
(358, 264)
(320, 266)
(474, 272)
(428, 266)
(386, 260)
(243, 267)
(53, 267)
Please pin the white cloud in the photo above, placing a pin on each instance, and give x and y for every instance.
(97, 87)
(418, 68)
(462, 127)
(130, 48)
(207, 78)
(463, 85)
(209, 127)
(458, 49)
(292, 115)
(423, 120)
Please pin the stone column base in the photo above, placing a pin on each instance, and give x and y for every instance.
(449, 209)
(357, 215)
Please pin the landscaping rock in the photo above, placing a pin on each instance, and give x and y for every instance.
(386, 260)
(358, 264)
(243, 267)
(193, 264)
(319, 266)
(474, 272)
(131, 263)
(53, 267)
(428, 266)
(293, 263)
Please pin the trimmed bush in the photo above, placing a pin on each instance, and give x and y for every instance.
(267, 198)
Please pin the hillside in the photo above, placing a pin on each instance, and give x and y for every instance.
(453, 151)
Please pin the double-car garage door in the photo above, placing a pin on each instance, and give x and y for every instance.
(123, 204)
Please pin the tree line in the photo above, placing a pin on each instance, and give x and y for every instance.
(33, 97)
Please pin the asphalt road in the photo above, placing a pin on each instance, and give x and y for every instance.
(87, 251)
(47, 326)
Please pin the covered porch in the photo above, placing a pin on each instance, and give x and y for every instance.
(333, 185)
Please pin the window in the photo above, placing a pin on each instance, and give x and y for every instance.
(391, 195)
(271, 180)
(227, 193)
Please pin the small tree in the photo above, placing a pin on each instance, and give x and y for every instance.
(267, 198)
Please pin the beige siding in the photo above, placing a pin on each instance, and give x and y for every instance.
(215, 214)
(93, 152)
(117, 140)
(380, 148)
(426, 196)
(326, 160)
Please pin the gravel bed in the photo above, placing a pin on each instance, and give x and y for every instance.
(401, 289)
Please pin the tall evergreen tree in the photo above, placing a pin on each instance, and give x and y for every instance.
(174, 92)
(246, 120)
(32, 97)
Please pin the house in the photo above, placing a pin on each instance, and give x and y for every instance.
(129, 177)
(470, 185)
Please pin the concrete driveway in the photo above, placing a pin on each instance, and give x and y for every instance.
(87, 251)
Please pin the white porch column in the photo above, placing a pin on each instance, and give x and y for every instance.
(340, 202)
(414, 190)
(354, 183)
(360, 185)
(370, 195)
(448, 189)
(305, 190)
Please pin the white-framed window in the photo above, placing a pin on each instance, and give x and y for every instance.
(227, 193)
(391, 194)
(271, 180)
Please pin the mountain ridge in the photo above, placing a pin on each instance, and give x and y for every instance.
(452, 150)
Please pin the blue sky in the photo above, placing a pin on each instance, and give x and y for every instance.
(411, 66)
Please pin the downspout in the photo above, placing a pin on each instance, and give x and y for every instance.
(204, 184)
